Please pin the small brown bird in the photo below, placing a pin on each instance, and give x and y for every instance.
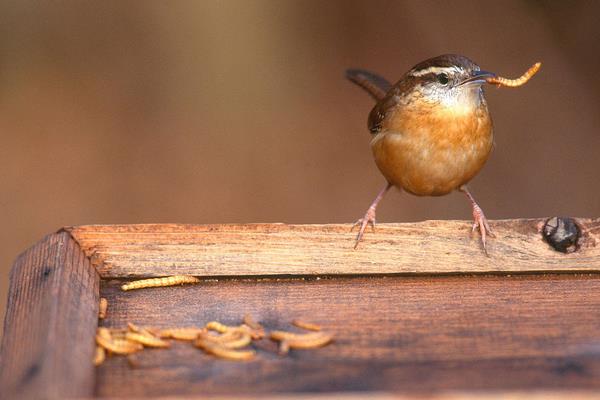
(432, 131)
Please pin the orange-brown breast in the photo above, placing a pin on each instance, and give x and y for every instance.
(431, 151)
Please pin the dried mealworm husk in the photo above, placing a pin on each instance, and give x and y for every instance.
(225, 353)
(248, 320)
(181, 333)
(160, 282)
(118, 346)
(103, 307)
(306, 325)
(148, 341)
(256, 330)
(497, 80)
(99, 356)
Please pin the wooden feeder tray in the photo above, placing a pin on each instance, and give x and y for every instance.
(417, 309)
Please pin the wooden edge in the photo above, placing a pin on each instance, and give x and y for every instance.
(50, 322)
(474, 395)
(429, 247)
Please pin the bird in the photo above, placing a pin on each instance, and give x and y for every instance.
(431, 131)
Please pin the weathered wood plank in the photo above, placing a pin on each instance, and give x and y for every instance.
(50, 323)
(430, 247)
(400, 334)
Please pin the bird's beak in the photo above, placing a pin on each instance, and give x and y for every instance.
(478, 77)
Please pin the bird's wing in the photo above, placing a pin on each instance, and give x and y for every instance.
(374, 84)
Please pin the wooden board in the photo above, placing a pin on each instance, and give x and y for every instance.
(401, 334)
(402, 323)
(430, 247)
(50, 323)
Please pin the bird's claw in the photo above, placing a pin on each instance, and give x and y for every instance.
(368, 219)
(481, 223)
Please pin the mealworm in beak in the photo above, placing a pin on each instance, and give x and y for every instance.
(516, 82)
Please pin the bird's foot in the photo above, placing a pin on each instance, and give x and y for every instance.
(480, 222)
(368, 219)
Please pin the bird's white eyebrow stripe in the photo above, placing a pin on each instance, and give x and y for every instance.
(432, 70)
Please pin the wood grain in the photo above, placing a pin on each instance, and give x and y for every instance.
(400, 334)
(50, 323)
(430, 247)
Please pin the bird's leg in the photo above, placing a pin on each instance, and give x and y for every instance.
(479, 219)
(369, 217)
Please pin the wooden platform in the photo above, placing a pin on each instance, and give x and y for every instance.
(418, 309)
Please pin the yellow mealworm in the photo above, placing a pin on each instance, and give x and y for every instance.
(146, 340)
(306, 325)
(132, 327)
(181, 333)
(225, 353)
(100, 355)
(229, 340)
(102, 308)
(159, 282)
(284, 335)
(310, 343)
(104, 333)
(301, 341)
(516, 82)
(118, 346)
(217, 326)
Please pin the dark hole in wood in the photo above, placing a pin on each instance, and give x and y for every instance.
(562, 233)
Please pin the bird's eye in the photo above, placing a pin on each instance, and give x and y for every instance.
(443, 79)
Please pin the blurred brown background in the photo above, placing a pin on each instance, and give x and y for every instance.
(237, 111)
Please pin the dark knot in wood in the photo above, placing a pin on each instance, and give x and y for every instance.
(562, 233)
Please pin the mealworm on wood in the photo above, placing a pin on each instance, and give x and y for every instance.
(284, 335)
(310, 343)
(160, 282)
(102, 308)
(118, 346)
(132, 327)
(181, 333)
(218, 327)
(306, 325)
(291, 340)
(99, 356)
(518, 81)
(105, 333)
(225, 353)
(230, 340)
(146, 340)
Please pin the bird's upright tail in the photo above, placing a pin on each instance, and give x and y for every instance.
(374, 84)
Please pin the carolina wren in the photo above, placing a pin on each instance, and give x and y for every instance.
(432, 131)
